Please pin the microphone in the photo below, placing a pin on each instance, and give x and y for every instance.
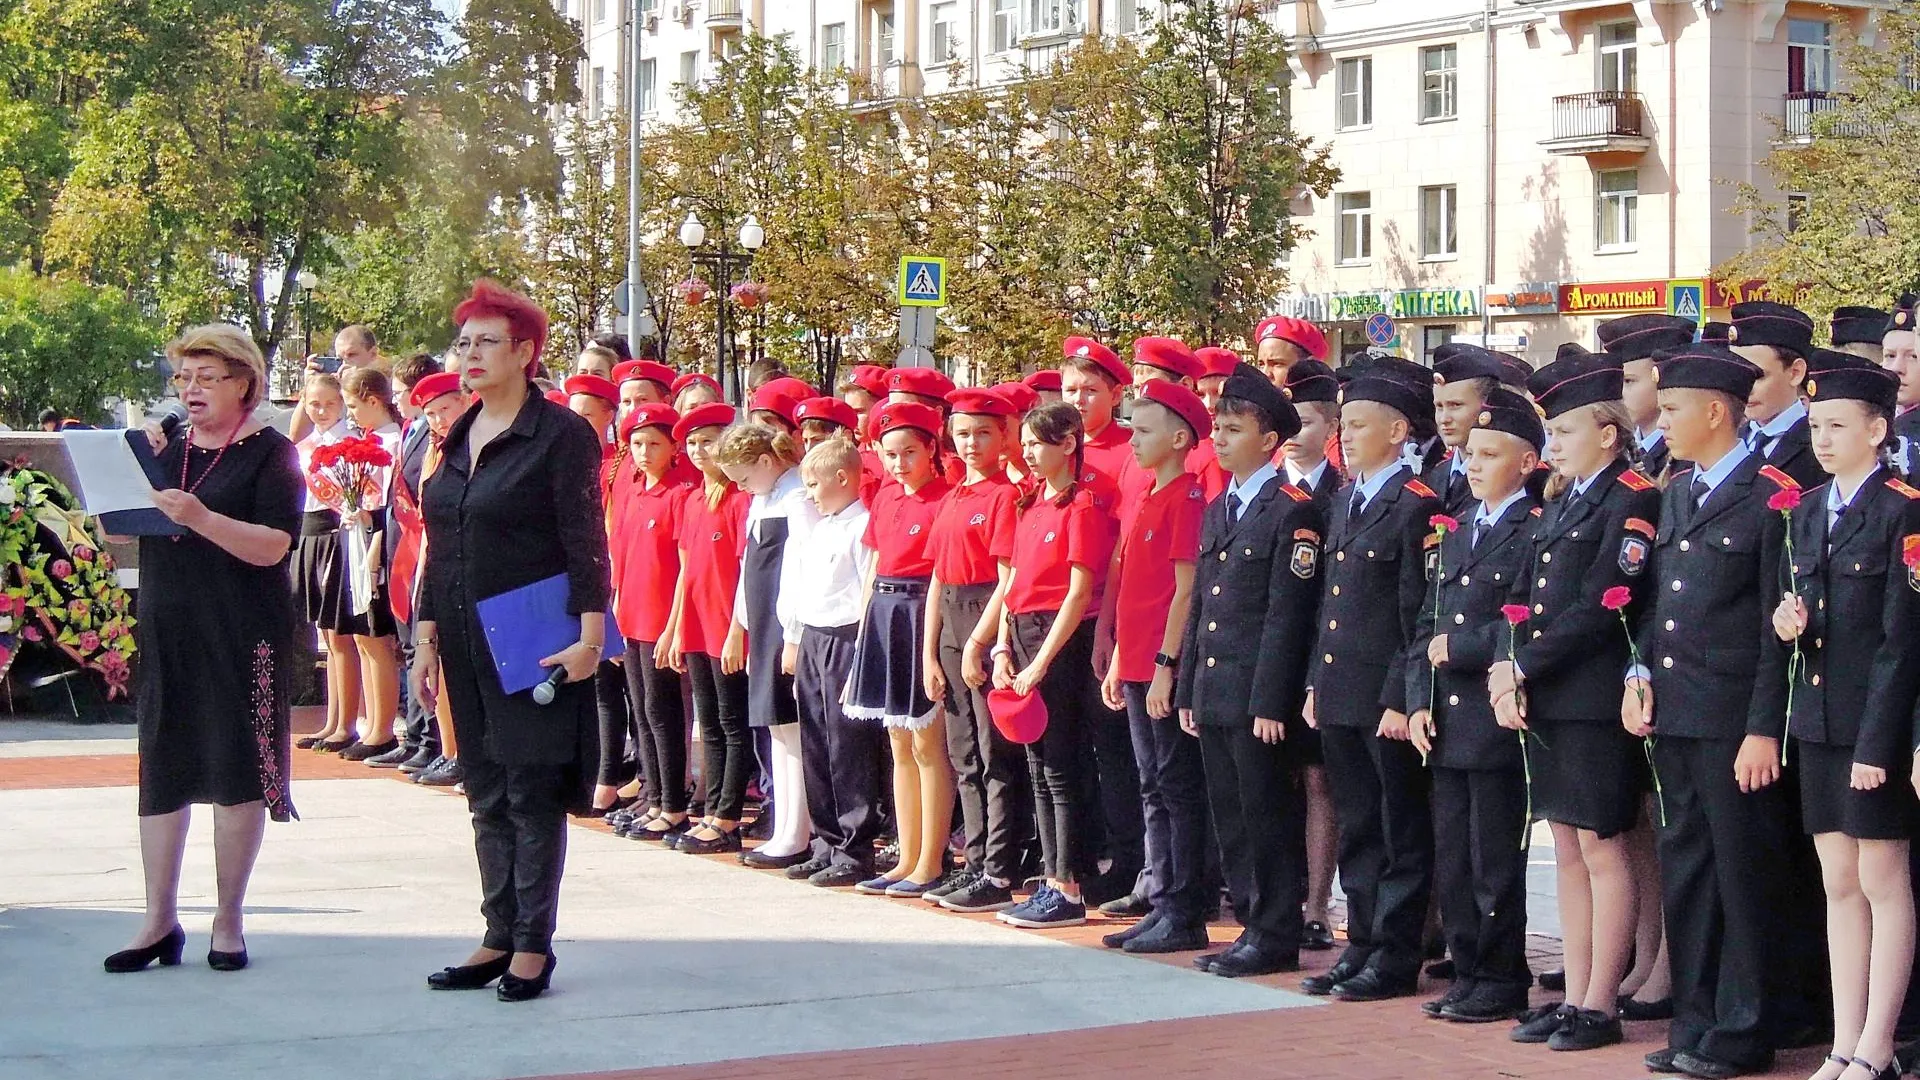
(548, 688)
(171, 415)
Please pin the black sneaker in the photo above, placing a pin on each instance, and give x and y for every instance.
(809, 868)
(982, 895)
(447, 773)
(955, 880)
(1130, 906)
(1455, 994)
(1589, 1029)
(393, 758)
(844, 875)
(1538, 1025)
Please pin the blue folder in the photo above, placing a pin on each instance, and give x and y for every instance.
(146, 521)
(532, 622)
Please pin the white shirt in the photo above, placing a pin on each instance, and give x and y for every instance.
(823, 572)
(778, 503)
(1250, 489)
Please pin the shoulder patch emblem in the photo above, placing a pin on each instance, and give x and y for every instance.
(1635, 481)
(1641, 526)
(1309, 534)
(1903, 488)
(1305, 560)
(1421, 489)
(1195, 493)
(1779, 478)
(1633, 555)
(1910, 549)
(1535, 512)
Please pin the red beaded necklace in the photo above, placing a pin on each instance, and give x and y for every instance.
(187, 453)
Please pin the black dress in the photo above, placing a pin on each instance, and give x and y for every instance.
(214, 637)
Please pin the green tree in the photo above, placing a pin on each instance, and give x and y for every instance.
(69, 346)
(578, 242)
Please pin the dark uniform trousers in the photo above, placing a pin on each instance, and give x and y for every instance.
(1480, 872)
(1381, 801)
(1259, 815)
(520, 838)
(990, 773)
(620, 744)
(1173, 797)
(1111, 777)
(660, 723)
(840, 757)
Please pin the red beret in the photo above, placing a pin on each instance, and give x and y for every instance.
(925, 381)
(1019, 395)
(1167, 354)
(652, 414)
(773, 399)
(558, 397)
(650, 370)
(433, 386)
(831, 410)
(712, 414)
(595, 385)
(1089, 349)
(1041, 381)
(1215, 361)
(525, 319)
(872, 378)
(906, 414)
(1185, 404)
(975, 401)
(794, 390)
(1298, 331)
(692, 377)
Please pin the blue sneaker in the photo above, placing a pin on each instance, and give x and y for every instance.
(1050, 909)
(907, 888)
(1025, 906)
(875, 886)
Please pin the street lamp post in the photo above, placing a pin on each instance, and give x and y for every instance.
(722, 261)
(307, 279)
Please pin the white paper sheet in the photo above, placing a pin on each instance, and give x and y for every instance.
(110, 476)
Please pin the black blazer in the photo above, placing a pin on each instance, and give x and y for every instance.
(1471, 582)
(1256, 586)
(1793, 455)
(1455, 496)
(1373, 584)
(1573, 650)
(1862, 673)
(1653, 461)
(1323, 489)
(1715, 584)
(1906, 442)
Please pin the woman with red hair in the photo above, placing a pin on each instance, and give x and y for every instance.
(516, 500)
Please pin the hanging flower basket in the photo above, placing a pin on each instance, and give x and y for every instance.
(749, 294)
(693, 290)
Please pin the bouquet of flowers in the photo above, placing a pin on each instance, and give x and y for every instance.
(58, 589)
(347, 474)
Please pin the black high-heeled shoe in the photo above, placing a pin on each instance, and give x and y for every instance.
(227, 961)
(470, 976)
(167, 950)
(514, 988)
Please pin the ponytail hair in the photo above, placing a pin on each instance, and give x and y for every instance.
(1626, 442)
(366, 382)
(1054, 423)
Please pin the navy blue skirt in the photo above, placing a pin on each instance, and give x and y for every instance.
(888, 679)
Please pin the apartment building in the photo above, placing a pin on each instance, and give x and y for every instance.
(1524, 170)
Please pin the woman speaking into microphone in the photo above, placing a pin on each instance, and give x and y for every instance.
(515, 501)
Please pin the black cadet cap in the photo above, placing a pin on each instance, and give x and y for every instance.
(1715, 332)
(1505, 410)
(1570, 349)
(1857, 326)
(1248, 384)
(1707, 367)
(1311, 380)
(1636, 337)
(1763, 322)
(1903, 314)
(1836, 376)
(1457, 362)
(1576, 379)
(1392, 392)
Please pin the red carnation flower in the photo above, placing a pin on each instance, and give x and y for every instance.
(31, 633)
(1616, 598)
(1443, 524)
(1784, 500)
(1515, 613)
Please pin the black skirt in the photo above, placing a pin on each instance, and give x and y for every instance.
(1829, 803)
(888, 683)
(319, 569)
(1589, 774)
(770, 700)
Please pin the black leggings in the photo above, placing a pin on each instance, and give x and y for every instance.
(720, 705)
(1058, 760)
(616, 725)
(661, 719)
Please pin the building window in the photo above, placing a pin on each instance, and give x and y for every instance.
(1439, 234)
(882, 38)
(1353, 84)
(945, 39)
(599, 11)
(1055, 16)
(1439, 82)
(1809, 56)
(1797, 207)
(1006, 24)
(598, 99)
(1619, 53)
(1354, 243)
(644, 88)
(833, 46)
(1126, 16)
(689, 68)
(1617, 209)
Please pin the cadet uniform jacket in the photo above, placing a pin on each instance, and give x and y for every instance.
(1256, 585)
(1793, 455)
(1861, 673)
(1456, 498)
(1471, 582)
(1714, 586)
(1572, 649)
(1373, 584)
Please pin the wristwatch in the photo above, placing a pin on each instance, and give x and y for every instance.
(1165, 661)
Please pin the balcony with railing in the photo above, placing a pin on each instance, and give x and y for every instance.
(1805, 107)
(1601, 122)
(724, 13)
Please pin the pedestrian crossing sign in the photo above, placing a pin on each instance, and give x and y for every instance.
(1686, 299)
(923, 281)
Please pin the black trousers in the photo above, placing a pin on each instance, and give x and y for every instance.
(990, 773)
(660, 727)
(1380, 803)
(1480, 871)
(1722, 857)
(1063, 816)
(619, 743)
(1173, 800)
(1258, 799)
(520, 837)
(420, 732)
(720, 705)
(1113, 781)
(840, 757)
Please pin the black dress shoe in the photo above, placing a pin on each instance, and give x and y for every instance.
(1206, 962)
(1457, 992)
(1169, 936)
(1555, 980)
(840, 876)
(420, 761)
(364, 751)
(392, 758)
(1645, 1010)
(728, 840)
(227, 961)
(805, 870)
(167, 951)
(1119, 938)
(1589, 1029)
(1375, 985)
(772, 862)
(1538, 1025)
(1254, 960)
(307, 742)
(1694, 1063)
(1489, 1002)
(1661, 1060)
(514, 988)
(1130, 906)
(335, 746)
(1323, 984)
(1315, 936)
(445, 773)
(470, 976)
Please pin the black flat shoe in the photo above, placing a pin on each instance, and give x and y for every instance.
(1645, 1010)
(227, 961)
(1316, 936)
(669, 836)
(470, 976)
(514, 988)
(307, 742)
(719, 845)
(773, 862)
(167, 951)
(364, 751)
(332, 747)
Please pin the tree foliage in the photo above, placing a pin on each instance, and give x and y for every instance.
(69, 346)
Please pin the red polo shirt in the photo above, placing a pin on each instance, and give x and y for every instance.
(1157, 530)
(1204, 464)
(645, 547)
(1048, 541)
(973, 530)
(900, 528)
(1111, 452)
(711, 543)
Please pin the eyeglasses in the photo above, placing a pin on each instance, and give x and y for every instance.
(485, 342)
(181, 382)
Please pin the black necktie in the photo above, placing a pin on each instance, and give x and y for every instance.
(1700, 492)
(1358, 504)
(1479, 527)
(1233, 507)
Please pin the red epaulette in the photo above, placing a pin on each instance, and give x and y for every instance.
(1421, 489)
(1448, 456)
(1636, 482)
(1781, 479)
(1295, 493)
(1903, 487)
(1535, 512)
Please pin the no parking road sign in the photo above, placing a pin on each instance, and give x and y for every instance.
(923, 281)
(1380, 329)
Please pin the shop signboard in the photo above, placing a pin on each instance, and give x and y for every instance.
(1526, 298)
(1612, 297)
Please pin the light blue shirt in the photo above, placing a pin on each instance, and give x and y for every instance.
(1837, 501)
(1371, 486)
(1652, 439)
(1720, 470)
(1250, 489)
(1581, 485)
(1490, 516)
(1767, 436)
(1306, 480)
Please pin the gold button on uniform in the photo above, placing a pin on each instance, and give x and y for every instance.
(1327, 659)
(1546, 556)
(1209, 661)
(1458, 618)
(1333, 624)
(1249, 551)
(1542, 584)
(1816, 680)
(1369, 554)
(1466, 579)
(1216, 590)
(1211, 627)
(1538, 608)
(1725, 541)
(1336, 590)
(1339, 556)
(1676, 584)
(1223, 556)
